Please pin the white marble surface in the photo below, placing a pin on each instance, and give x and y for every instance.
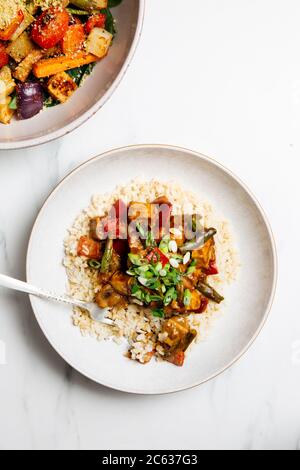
(223, 78)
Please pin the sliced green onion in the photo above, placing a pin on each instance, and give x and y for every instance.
(187, 297)
(94, 264)
(164, 245)
(158, 266)
(153, 284)
(150, 241)
(191, 270)
(141, 230)
(158, 312)
(130, 272)
(135, 259)
(142, 269)
(169, 296)
(13, 103)
(148, 274)
(155, 298)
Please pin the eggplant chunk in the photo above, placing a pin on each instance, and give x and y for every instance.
(179, 334)
(121, 283)
(178, 339)
(177, 358)
(107, 297)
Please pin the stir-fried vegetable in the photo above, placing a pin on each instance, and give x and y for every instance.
(4, 57)
(210, 292)
(167, 274)
(41, 39)
(107, 256)
(29, 100)
(95, 21)
(200, 241)
(90, 5)
(50, 27)
(6, 34)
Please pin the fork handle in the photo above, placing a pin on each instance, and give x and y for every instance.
(10, 283)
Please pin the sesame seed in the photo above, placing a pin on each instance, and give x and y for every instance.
(186, 257)
(173, 246)
(174, 263)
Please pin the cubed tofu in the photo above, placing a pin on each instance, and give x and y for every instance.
(21, 47)
(7, 83)
(61, 87)
(28, 19)
(24, 68)
(98, 42)
(5, 112)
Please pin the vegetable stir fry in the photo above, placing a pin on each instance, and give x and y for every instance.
(47, 49)
(146, 255)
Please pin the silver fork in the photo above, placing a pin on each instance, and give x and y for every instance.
(96, 313)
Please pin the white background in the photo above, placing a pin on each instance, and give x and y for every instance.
(221, 77)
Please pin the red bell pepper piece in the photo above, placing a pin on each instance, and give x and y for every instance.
(203, 305)
(212, 269)
(95, 21)
(89, 248)
(6, 34)
(4, 58)
(121, 247)
(50, 27)
(157, 255)
(117, 220)
(176, 358)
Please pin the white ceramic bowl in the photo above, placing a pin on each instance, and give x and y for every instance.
(60, 120)
(248, 300)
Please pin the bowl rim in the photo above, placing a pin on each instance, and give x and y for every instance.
(258, 206)
(24, 144)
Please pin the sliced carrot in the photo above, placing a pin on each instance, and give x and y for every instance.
(47, 67)
(73, 39)
(6, 34)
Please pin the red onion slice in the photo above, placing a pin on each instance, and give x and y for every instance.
(29, 99)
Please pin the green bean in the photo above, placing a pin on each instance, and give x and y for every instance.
(88, 5)
(107, 256)
(198, 242)
(73, 11)
(209, 292)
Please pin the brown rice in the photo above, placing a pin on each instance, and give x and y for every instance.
(137, 324)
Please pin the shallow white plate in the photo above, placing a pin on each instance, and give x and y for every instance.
(60, 120)
(248, 299)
